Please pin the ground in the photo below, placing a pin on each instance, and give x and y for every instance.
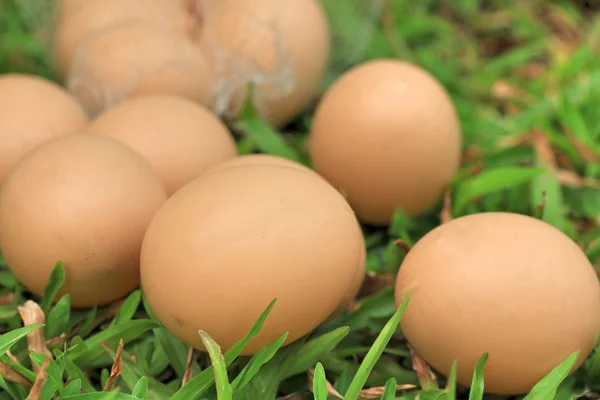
(525, 78)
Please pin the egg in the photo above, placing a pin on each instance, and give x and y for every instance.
(502, 283)
(181, 139)
(387, 135)
(253, 159)
(33, 110)
(228, 243)
(77, 19)
(83, 199)
(135, 58)
(281, 46)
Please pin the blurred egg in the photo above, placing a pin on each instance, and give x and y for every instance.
(253, 159)
(33, 110)
(280, 46)
(83, 199)
(135, 58)
(181, 139)
(387, 135)
(241, 237)
(77, 19)
(506, 284)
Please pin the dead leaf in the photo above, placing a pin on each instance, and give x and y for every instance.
(187, 375)
(427, 378)
(330, 389)
(293, 396)
(403, 245)
(502, 90)
(12, 375)
(32, 313)
(570, 178)
(6, 299)
(375, 283)
(56, 340)
(446, 214)
(543, 148)
(40, 379)
(116, 369)
(588, 154)
(377, 392)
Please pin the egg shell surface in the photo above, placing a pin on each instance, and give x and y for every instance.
(83, 199)
(253, 159)
(134, 58)
(228, 243)
(386, 134)
(180, 138)
(502, 283)
(33, 110)
(281, 46)
(77, 19)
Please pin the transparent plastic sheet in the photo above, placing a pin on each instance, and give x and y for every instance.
(352, 25)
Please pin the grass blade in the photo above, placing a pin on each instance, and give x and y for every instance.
(374, 353)
(8, 339)
(141, 388)
(224, 390)
(389, 391)
(55, 283)
(451, 385)
(58, 318)
(477, 384)
(201, 382)
(547, 387)
(320, 383)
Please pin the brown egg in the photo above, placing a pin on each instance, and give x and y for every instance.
(83, 199)
(253, 159)
(135, 58)
(33, 110)
(502, 283)
(77, 19)
(281, 46)
(239, 238)
(181, 139)
(386, 134)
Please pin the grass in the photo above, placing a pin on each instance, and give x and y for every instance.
(525, 78)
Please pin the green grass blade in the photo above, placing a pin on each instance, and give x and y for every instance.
(73, 388)
(141, 388)
(201, 382)
(8, 339)
(547, 387)
(128, 308)
(374, 353)
(262, 357)
(320, 383)
(58, 318)
(55, 283)
(389, 391)
(491, 181)
(451, 385)
(175, 350)
(312, 350)
(224, 390)
(477, 383)
(100, 396)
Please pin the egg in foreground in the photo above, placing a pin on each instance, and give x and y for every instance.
(228, 243)
(180, 139)
(386, 134)
(83, 199)
(506, 284)
(32, 111)
(253, 159)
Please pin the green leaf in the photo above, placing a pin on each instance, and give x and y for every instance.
(451, 384)
(127, 331)
(58, 318)
(8, 339)
(53, 371)
(491, 181)
(224, 390)
(88, 323)
(547, 387)
(262, 357)
(175, 350)
(320, 383)
(73, 388)
(265, 138)
(55, 283)
(100, 396)
(389, 391)
(312, 350)
(141, 388)
(477, 384)
(127, 309)
(201, 382)
(374, 353)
